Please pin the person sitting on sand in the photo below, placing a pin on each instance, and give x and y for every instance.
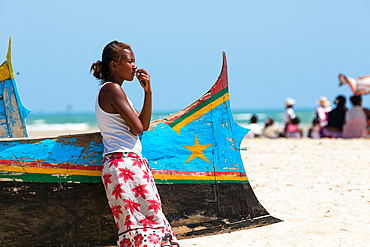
(289, 114)
(367, 112)
(293, 130)
(356, 120)
(368, 127)
(271, 130)
(289, 111)
(322, 110)
(334, 127)
(314, 131)
(255, 129)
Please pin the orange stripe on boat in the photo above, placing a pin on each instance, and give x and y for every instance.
(67, 166)
(33, 167)
(43, 170)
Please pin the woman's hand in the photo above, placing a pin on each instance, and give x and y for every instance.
(144, 79)
(146, 112)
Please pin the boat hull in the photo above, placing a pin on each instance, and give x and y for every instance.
(72, 214)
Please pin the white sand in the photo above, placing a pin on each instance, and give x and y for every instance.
(320, 188)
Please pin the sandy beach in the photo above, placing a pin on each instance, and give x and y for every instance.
(318, 187)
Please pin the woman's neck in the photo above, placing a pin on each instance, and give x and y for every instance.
(114, 79)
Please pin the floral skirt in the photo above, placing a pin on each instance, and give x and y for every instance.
(134, 200)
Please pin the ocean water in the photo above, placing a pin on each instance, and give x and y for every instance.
(85, 121)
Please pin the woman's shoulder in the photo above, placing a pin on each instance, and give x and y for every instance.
(111, 88)
(110, 85)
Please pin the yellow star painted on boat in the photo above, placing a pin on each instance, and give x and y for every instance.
(197, 150)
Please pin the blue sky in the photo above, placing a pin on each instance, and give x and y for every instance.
(274, 49)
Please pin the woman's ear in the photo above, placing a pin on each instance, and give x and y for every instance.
(112, 66)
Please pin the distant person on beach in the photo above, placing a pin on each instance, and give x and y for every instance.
(289, 113)
(293, 130)
(355, 120)
(131, 192)
(336, 119)
(255, 129)
(314, 131)
(322, 110)
(367, 112)
(271, 130)
(368, 127)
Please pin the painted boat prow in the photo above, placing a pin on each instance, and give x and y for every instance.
(195, 154)
(201, 139)
(51, 188)
(12, 112)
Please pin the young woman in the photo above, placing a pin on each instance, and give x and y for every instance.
(129, 184)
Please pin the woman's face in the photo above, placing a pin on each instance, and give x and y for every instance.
(126, 68)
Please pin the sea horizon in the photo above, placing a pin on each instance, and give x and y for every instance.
(82, 121)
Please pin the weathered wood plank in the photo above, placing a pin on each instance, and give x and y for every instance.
(70, 214)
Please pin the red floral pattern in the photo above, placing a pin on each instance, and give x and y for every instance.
(131, 205)
(115, 161)
(138, 239)
(125, 243)
(140, 190)
(128, 222)
(134, 201)
(154, 238)
(106, 179)
(117, 191)
(137, 162)
(126, 174)
(148, 221)
(133, 155)
(116, 210)
(154, 205)
(146, 176)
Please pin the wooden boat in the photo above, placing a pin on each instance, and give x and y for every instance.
(52, 193)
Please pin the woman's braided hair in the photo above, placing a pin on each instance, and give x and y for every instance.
(111, 52)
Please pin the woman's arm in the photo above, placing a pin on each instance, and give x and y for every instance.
(112, 99)
(146, 112)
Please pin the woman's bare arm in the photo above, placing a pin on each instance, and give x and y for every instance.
(146, 112)
(112, 99)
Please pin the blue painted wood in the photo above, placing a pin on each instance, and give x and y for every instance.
(83, 149)
(164, 147)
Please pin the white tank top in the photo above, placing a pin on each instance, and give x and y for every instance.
(117, 136)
